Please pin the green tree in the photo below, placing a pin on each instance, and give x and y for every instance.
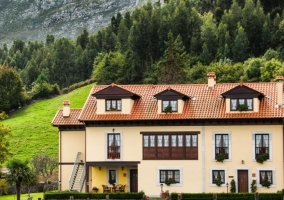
(12, 94)
(83, 39)
(44, 166)
(18, 173)
(140, 44)
(49, 39)
(252, 21)
(252, 69)
(172, 66)
(240, 47)
(3, 187)
(208, 38)
(63, 70)
(270, 70)
(122, 37)
(109, 68)
(4, 142)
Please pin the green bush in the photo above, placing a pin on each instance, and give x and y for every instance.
(224, 196)
(77, 85)
(79, 195)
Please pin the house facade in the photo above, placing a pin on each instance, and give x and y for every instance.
(181, 137)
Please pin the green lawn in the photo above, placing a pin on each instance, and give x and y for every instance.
(32, 131)
(34, 196)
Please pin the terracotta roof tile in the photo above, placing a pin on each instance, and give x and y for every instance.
(207, 103)
(71, 120)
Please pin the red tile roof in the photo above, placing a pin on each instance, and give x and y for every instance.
(207, 103)
(71, 120)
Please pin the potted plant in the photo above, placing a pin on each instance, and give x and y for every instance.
(261, 158)
(164, 194)
(233, 186)
(218, 182)
(242, 107)
(95, 189)
(220, 157)
(253, 186)
(170, 181)
(265, 183)
(168, 109)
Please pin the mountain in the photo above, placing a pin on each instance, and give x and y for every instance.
(34, 19)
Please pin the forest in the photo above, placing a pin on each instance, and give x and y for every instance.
(174, 41)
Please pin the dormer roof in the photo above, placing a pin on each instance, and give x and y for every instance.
(115, 92)
(242, 91)
(170, 93)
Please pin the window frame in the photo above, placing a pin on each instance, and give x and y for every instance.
(238, 103)
(258, 178)
(229, 133)
(219, 175)
(270, 145)
(154, 142)
(262, 148)
(109, 174)
(117, 103)
(222, 148)
(167, 175)
(113, 151)
(169, 168)
(212, 169)
(170, 104)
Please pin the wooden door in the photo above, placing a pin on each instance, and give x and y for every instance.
(133, 180)
(242, 181)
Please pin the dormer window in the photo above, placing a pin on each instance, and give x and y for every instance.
(241, 104)
(242, 98)
(169, 103)
(113, 105)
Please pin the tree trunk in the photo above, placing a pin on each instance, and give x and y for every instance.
(18, 191)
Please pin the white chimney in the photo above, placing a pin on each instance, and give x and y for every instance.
(279, 80)
(66, 108)
(211, 79)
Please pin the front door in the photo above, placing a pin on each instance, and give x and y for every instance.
(242, 181)
(133, 180)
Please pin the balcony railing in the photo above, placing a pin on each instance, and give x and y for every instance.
(113, 152)
(222, 150)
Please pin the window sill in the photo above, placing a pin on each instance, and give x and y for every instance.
(226, 160)
(260, 186)
(214, 185)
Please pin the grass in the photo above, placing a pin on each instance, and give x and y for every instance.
(35, 196)
(32, 131)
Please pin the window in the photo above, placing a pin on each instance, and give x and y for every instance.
(222, 145)
(167, 174)
(113, 149)
(261, 144)
(171, 103)
(170, 146)
(236, 102)
(112, 176)
(114, 104)
(265, 175)
(218, 175)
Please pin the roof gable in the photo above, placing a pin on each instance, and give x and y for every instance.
(170, 94)
(114, 92)
(242, 91)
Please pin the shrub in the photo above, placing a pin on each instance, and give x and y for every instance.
(253, 186)
(261, 158)
(265, 183)
(220, 157)
(233, 186)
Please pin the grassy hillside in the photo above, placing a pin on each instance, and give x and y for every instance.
(32, 131)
